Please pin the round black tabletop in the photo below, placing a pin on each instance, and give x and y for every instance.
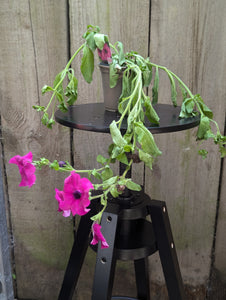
(93, 117)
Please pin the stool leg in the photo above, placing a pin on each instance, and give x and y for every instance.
(106, 260)
(77, 256)
(142, 278)
(167, 251)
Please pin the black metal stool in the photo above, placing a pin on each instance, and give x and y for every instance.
(124, 225)
(130, 237)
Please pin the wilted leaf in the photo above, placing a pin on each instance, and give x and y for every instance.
(87, 64)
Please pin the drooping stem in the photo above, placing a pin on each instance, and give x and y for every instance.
(64, 72)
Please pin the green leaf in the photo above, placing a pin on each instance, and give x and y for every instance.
(116, 135)
(128, 148)
(91, 41)
(121, 56)
(187, 108)
(87, 64)
(40, 163)
(222, 150)
(96, 174)
(71, 89)
(92, 28)
(189, 105)
(109, 182)
(101, 159)
(60, 96)
(71, 99)
(150, 112)
(58, 78)
(38, 107)
(116, 151)
(122, 158)
(62, 106)
(114, 192)
(126, 90)
(203, 153)
(220, 139)
(122, 104)
(128, 138)
(113, 76)
(46, 88)
(50, 123)
(205, 109)
(55, 165)
(155, 87)
(146, 158)
(204, 127)
(146, 69)
(107, 173)
(173, 89)
(110, 149)
(133, 186)
(103, 201)
(45, 118)
(100, 40)
(132, 118)
(146, 140)
(147, 77)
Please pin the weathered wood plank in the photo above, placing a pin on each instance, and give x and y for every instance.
(35, 47)
(6, 286)
(186, 36)
(219, 271)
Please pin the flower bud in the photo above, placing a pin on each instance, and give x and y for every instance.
(121, 187)
(62, 164)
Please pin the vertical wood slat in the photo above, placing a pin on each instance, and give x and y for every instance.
(34, 47)
(184, 39)
(218, 278)
(6, 286)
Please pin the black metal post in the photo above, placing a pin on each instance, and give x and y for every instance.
(106, 260)
(77, 256)
(142, 278)
(167, 250)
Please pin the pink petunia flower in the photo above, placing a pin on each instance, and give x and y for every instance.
(75, 195)
(26, 169)
(98, 236)
(60, 198)
(105, 54)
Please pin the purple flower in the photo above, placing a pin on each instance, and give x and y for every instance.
(105, 54)
(60, 198)
(26, 169)
(62, 164)
(98, 236)
(75, 195)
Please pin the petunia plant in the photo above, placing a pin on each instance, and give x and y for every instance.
(136, 144)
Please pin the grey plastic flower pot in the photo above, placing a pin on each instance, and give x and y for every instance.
(111, 95)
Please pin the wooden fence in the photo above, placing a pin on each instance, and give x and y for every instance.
(37, 38)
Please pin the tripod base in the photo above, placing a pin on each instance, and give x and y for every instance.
(130, 237)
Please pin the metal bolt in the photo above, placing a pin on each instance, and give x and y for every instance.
(172, 245)
(164, 209)
(109, 219)
(103, 260)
